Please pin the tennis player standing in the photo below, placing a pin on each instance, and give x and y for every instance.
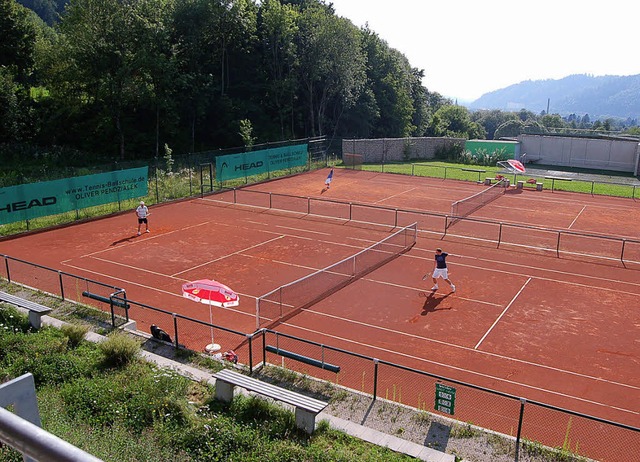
(142, 211)
(441, 271)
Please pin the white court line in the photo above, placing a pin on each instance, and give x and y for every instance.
(528, 267)
(577, 216)
(229, 255)
(502, 314)
(449, 366)
(395, 195)
(472, 350)
(153, 236)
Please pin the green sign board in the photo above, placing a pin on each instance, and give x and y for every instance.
(246, 164)
(445, 398)
(33, 200)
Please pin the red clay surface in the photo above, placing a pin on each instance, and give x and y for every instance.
(562, 331)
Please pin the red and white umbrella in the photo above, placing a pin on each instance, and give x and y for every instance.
(212, 293)
(512, 166)
(517, 166)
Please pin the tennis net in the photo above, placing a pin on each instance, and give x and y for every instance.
(465, 207)
(290, 298)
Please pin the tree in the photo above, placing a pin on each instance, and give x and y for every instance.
(101, 47)
(17, 39)
(277, 31)
(455, 122)
(331, 67)
(390, 77)
(492, 119)
(509, 129)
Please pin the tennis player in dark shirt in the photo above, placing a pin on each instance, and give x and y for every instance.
(441, 271)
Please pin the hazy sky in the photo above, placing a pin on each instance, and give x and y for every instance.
(470, 47)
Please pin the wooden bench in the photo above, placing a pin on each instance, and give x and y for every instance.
(306, 408)
(36, 310)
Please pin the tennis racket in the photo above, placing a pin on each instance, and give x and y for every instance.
(424, 278)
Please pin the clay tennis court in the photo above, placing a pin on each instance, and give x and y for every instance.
(562, 331)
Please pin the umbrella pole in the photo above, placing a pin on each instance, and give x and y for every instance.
(212, 347)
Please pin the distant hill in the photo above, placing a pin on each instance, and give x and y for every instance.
(600, 97)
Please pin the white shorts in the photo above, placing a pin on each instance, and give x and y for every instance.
(440, 273)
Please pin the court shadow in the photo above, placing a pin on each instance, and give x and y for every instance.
(432, 302)
(124, 239)
(324, 190)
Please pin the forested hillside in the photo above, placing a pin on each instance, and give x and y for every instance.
(126, 77)
(600, 97)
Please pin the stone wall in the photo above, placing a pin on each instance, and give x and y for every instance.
(595, 153)
(398, 149)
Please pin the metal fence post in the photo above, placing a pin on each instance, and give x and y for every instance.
(523, 401)
(61, 285)
(375, 378)
(6, 264)
(175, 328)
(250, 339)
(264, 348)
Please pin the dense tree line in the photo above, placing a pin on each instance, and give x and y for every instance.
(122, 78)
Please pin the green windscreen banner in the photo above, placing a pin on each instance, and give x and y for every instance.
(33, 200)
(234, 166)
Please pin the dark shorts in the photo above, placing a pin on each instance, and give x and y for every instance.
(142, 220)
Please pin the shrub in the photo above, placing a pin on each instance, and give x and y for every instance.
(75, 333)
(119, 350)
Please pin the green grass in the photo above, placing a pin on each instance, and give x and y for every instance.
(446, 170)
(130, 410)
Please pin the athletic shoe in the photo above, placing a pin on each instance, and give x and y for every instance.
(138, 233)
(434, 288)
(147, 231)
(453, 288)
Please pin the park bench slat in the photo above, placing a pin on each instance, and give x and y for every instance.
(36, 310)
(272, 391)
(21, 302)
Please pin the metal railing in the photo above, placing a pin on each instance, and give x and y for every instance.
(577, 184)
(558, 241)
(528, 422)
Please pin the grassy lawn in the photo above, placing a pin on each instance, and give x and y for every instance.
(447, 170)
(107, 401)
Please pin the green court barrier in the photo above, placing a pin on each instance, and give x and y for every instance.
(234, 166)
(33, 200)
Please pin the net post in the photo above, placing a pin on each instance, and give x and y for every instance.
(622, 250)
(558, 245)
(395, 223)
(500, 235)
(235, 198)
(6, 265)
(270, 200)
(350, 210)
(308, 205)
(592, 185)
